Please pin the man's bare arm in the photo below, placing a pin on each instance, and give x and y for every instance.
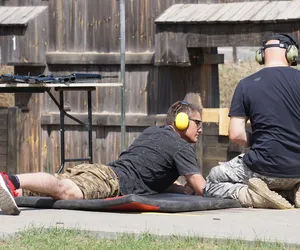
(237, 131)
(197, 182)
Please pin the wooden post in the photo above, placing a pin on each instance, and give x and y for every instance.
(13, 116)
(234, 54)
(3, 139)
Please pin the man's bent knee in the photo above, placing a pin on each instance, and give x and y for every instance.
(216, 174)
(68, 190)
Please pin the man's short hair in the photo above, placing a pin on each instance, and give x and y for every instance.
(181, 106)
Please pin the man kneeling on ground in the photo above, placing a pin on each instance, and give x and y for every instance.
(267, 176)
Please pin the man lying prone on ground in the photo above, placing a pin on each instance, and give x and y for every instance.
(150, 165)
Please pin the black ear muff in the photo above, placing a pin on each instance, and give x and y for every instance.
(182, 121)
(260, 56)
(292, 48)
(285, 42)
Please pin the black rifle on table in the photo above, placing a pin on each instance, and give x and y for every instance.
(72, 78)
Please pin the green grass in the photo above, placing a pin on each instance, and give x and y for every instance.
(57, 238)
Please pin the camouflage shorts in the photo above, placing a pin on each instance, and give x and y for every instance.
(226, 179)
(96, 181)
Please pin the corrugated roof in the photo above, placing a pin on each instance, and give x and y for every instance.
(19, 15)
(259, 11)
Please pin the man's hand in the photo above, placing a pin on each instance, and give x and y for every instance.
(188, 189)
(176, 187)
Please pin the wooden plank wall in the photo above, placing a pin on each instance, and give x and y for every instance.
(149, 90)
(31, 42)
(79, 26)
(89, 25)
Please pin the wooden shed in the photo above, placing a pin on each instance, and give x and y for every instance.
(24, 34)
(168, 58)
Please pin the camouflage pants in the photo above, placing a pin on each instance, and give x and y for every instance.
(96, 181)
(226, 180)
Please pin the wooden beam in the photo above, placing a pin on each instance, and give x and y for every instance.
(110, 119)
(219, 116)
(209, 117)
(29, 64)
(234, 34)
(223, 121)
(98, 58)
(207, 59)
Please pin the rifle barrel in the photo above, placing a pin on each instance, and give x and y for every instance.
(115, 76)
(90, 76)
(72, 78)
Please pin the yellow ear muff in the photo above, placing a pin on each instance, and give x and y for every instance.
(182, 121)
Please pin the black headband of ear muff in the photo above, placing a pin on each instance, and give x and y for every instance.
(284, 41)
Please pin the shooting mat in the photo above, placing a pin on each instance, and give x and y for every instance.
(165, 202)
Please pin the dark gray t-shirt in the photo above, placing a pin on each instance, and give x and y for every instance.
(271, 99)
(154, 161)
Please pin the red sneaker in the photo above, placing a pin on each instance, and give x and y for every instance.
(7, 194)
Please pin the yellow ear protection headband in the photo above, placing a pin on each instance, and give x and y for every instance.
(285, 42)
(182, 119)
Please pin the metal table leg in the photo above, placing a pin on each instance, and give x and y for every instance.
(90, 127)
(62, 131)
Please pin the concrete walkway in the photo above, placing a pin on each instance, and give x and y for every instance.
(237, 223)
